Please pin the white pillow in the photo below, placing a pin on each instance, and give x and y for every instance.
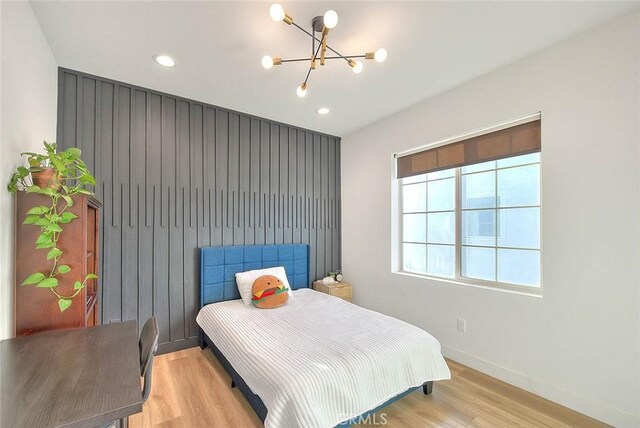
(244, 280)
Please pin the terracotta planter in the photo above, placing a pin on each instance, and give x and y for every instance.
(48, 177)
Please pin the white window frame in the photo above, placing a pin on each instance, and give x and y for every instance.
(397, 218)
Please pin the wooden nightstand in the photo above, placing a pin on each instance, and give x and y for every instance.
(338, 289)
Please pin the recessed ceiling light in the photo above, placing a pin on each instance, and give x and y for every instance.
(323, 110)
(164, 60)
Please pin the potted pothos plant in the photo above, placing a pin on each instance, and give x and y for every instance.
(60, 176)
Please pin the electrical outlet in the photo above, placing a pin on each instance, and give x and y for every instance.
(462, 325)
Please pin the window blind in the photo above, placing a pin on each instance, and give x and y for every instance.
(513, 141)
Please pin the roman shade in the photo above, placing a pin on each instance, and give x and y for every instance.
(513, 141)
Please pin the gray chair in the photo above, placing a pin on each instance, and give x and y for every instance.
(148, 346)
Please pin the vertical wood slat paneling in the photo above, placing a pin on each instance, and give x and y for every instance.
(175, 175)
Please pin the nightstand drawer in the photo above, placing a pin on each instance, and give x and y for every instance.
(343, 292)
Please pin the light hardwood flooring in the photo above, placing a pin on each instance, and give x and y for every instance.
(191, 389)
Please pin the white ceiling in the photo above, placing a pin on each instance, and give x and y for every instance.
(433, 46)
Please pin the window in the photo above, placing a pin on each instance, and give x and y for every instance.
(478, 223)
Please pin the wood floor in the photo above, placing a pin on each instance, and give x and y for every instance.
(191, 389)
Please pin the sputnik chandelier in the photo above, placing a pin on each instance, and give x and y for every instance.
(320, 25)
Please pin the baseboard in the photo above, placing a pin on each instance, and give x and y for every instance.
(595, 409)
(178, 345)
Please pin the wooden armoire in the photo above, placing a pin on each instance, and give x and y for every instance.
(37, 308)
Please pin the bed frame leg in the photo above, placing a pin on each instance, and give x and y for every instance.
(233, 384)
(201, 339)
(427, 387)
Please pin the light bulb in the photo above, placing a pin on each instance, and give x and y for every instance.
(322, 111)
(267, 62)
(276, 12)
(330, 18)
(302, 90)
(380, 55)
(357, 68)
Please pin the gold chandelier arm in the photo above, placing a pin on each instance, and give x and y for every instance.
(312, 66)
(313, 59)
(323, 50)
(284, 60)
(320, 41)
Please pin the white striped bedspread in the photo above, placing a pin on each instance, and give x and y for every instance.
(318, 360)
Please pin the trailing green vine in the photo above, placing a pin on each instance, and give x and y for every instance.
(66, 175)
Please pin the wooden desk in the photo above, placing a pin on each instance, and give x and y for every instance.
(70, 378)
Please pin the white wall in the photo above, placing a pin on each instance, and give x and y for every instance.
(27, 117)
(580, 344)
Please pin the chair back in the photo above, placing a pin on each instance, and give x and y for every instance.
(148, 346)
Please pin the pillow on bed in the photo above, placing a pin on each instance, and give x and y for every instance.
(268, 292)
(244, 280)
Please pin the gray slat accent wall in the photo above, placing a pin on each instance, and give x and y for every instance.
(176, 174)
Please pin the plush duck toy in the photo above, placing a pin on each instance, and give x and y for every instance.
(269, 292)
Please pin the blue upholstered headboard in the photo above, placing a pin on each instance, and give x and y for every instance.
(219, 265)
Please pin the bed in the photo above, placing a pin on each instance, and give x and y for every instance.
(318, 361)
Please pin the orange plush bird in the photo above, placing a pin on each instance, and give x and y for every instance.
(269, 292)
